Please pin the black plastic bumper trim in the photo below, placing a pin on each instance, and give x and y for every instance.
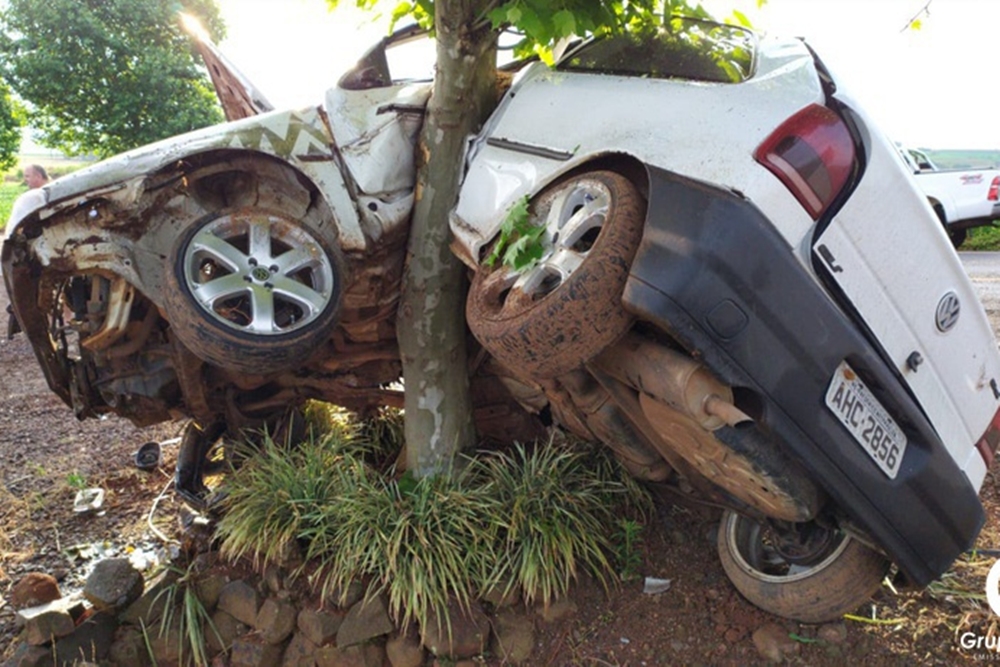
(703, 247)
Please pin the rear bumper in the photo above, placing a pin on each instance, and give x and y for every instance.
(713, 272)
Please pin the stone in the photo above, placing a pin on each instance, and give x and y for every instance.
(319, 626)
(363, 655)
(241, 601)
(72, 605)
(347, 597)
(468, 635)
(44, 628)
(34, 589)
(208, 589)
(224, 630)
(502, 596)
(404, 650)
(300, 652)
(165, 643)
(366, 620)
(513, 637)
(114, 584)
(129, 648)
(90, 642)
(275, 621)
(557, 610)
(254, 652)
(833, 633)
(149, 608)
(27, 655)
(273, 578)
(773, 643)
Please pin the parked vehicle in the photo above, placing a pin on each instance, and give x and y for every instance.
(725, 295)
(961, 198)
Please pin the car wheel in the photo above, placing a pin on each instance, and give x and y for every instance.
(563, 311)
(252, 290)
(957, 237)
(818, 580)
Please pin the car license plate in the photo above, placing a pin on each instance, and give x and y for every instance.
(864, 417)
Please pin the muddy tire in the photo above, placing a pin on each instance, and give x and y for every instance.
(842, 577)
(565, 310)
(253, 290)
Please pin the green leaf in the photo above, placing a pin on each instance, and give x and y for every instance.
(513, 14)
(565, 23)
(742, 19)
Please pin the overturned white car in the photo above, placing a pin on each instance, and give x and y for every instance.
(740, 292)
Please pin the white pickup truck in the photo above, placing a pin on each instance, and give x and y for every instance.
(962, 198)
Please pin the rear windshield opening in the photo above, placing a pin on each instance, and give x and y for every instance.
(681, 48)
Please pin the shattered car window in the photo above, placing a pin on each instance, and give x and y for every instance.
(681, 48)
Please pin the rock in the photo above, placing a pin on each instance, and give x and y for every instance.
(129, 648)
(365, 620)
(404, 650)
(209, 588)
(347, 597)
(773, 643)
(363, 655)
(165, 643)
(241, 601)
(90, 642)
(833, 633)
(275, 621)
(300, 652)
(44, 628)
(318, 626)
(503, 595)
(27, 655)
(470, 631)
(114, 584)
(149, 608)
(34, 589)
(226, 630)
(254, 652)
(557, 610)
(513, 637)
(273, 578)
(72, 605)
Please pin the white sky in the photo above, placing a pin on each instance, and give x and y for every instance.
(936, 87)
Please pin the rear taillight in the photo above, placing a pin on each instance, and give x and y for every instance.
(987, 444)
(994, 187)
(812, 153)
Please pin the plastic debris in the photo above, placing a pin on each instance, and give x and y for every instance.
(654, 586)
(88, 500)
(148, 456)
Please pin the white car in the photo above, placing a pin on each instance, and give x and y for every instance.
(737, 288)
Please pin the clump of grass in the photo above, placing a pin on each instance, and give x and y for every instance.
(531, 518)
(555, 505)
(272, 493)
(184, 610)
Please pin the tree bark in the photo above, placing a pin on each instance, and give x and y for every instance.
(431, 319)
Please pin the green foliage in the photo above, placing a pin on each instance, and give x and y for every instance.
(983, 238)
(520, 244)
(8, 193)
(531, 519)
(75, 480)
(105, 76)
(628, 552)
(10, 130)
(185, 613)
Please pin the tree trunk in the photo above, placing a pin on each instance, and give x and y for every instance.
(431, 320)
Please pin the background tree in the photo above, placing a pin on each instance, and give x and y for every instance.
(105, 76)
(430, 324)
(10, 129)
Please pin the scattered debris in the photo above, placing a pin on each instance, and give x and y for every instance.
(148, 456)
(88, 500)
(654, 586)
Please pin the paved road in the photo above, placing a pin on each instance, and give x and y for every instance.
(984, 271)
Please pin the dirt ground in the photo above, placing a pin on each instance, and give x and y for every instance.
(46, 455)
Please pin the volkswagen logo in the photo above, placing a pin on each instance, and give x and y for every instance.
(948, 309)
